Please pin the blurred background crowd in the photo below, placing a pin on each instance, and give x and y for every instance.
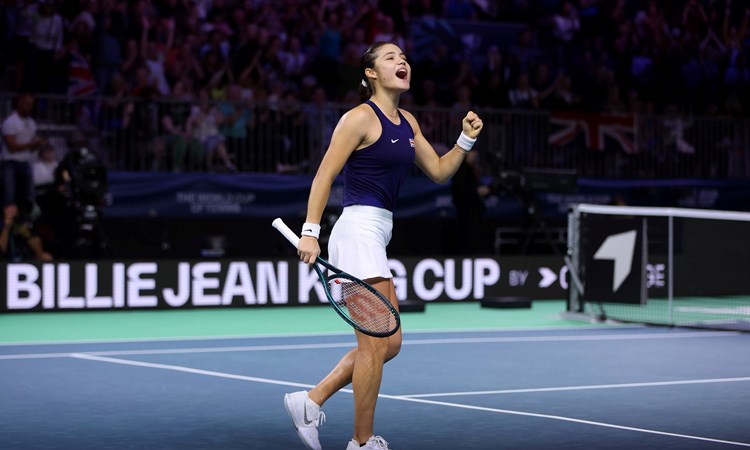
(204, 84)
(603, 55)
(597, 88)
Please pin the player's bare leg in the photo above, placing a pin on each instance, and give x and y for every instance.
(363, 367)
(368, 369)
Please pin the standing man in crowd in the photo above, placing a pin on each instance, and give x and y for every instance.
(20, 144)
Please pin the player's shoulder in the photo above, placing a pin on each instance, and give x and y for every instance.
(409, 116)
(360, 115)
(411, 119)
(362, 110)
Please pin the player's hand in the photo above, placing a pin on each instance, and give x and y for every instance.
(308, 249)
(472, 124)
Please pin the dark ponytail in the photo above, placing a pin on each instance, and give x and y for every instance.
(368, 62)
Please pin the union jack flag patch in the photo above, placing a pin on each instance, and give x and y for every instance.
(411, 142)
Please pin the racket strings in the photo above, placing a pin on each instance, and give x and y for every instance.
(365, 308)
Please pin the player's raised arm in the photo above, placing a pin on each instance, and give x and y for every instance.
(441, 168)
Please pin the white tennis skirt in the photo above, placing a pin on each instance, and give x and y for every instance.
(358, 240)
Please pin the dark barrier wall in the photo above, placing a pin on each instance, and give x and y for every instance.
(253, 237)
(257, 195)
(176, 216)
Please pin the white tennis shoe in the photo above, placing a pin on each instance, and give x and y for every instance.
(374, 443)
(306, 416)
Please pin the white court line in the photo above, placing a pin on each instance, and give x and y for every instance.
(408, 399)
(172, 339)
(485, 340)
(314, 334)
(209, 373)
(584, 387)
(568, 419)
(177, 351)
(34, 356)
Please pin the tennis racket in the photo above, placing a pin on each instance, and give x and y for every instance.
(358, 303)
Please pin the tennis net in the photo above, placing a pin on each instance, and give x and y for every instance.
(663, 266)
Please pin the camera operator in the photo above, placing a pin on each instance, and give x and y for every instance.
(54, 223)
(81, 178)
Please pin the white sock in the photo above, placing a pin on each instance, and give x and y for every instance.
(312, 404)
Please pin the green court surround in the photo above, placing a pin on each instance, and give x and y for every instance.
(229, 322)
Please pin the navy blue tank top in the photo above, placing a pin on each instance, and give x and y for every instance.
(373, 175)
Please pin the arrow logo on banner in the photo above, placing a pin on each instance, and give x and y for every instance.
(548, 277)
(618, 248)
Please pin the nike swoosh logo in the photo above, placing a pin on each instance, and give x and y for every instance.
(393, 141)
(305, 231)
(307, 421)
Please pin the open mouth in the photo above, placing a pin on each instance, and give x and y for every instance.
(402, 73)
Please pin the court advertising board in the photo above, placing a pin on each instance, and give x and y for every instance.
(170, 284)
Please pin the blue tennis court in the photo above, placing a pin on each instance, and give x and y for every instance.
(602, 387)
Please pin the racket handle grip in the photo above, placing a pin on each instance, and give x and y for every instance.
(286, 231)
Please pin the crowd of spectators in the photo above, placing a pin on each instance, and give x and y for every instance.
(207, 81)
(201, 83)
(586, 54)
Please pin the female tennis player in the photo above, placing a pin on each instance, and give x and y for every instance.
(375, 144)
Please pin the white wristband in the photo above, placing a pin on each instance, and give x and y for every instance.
(311, 229)
(465, 142)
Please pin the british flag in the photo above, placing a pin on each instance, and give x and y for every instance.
(600, 131)
(80, 78)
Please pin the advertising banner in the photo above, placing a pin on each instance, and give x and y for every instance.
(169, 284)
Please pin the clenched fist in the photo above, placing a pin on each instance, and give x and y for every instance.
(472, 124)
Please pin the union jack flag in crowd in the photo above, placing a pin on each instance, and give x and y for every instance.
(600, 131)
(80, 78)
